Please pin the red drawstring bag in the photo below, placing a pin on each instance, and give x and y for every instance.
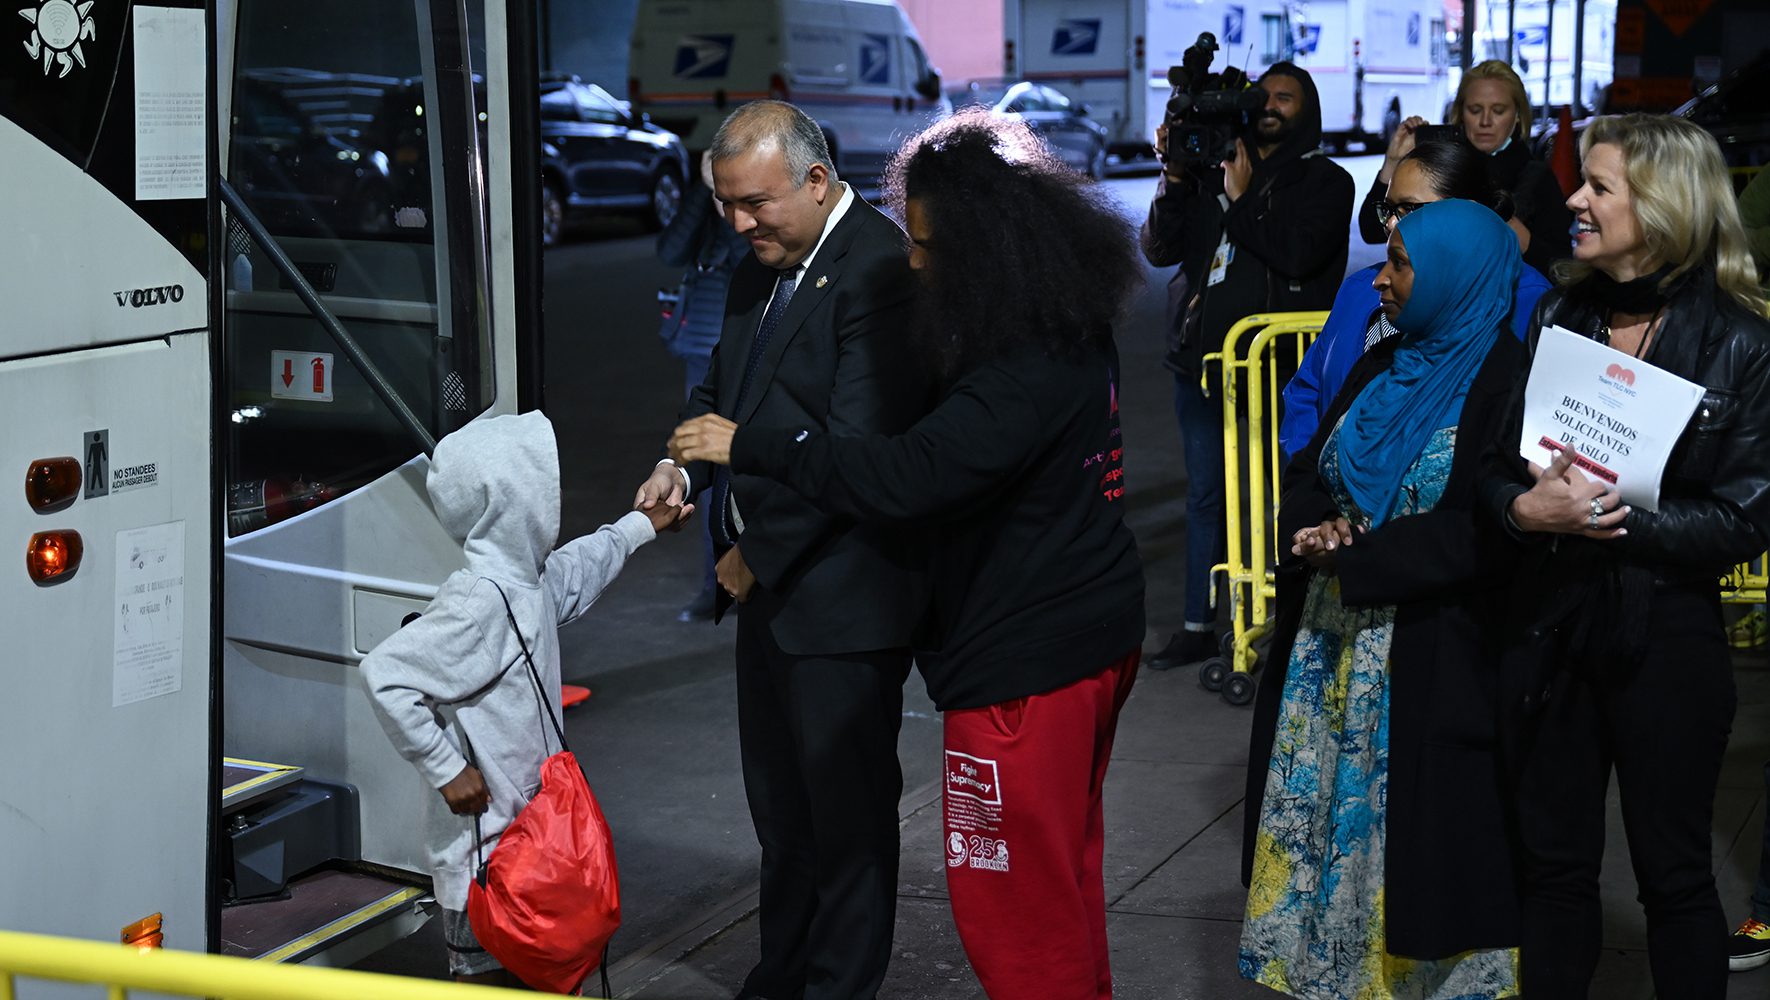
(548, 899)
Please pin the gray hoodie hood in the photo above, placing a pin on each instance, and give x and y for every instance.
(495, 486)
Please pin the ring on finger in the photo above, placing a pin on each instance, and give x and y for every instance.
(1597, 506)
(1592, 522)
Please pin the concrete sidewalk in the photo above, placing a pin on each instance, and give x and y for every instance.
(1174, 814)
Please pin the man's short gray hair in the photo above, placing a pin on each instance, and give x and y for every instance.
(759, 123)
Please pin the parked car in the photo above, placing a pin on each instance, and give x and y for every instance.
(596, 154)
(1065, 126)
(301, 178)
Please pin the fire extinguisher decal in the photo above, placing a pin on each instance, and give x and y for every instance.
(286, 381)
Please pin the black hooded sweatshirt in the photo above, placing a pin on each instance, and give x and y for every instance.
(1289, 231)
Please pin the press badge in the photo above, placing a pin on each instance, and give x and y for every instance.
(1220, 263)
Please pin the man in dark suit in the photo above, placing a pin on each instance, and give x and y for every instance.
(813, 337)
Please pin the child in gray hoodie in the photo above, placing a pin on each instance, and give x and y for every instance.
(454, 681)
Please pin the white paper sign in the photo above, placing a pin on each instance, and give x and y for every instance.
(170, 103)
(1620, 414)
(148, 634)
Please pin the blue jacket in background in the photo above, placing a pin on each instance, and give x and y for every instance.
(704, 245)
(1325, 365)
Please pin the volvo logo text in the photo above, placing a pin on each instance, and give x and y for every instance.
(138, 297)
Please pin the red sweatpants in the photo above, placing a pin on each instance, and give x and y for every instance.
(1025, 837)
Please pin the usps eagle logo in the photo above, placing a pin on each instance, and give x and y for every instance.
(703, 57)
(57, 29)
(1076, 36)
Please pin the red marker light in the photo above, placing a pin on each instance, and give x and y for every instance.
(52, 484)
(53, 556)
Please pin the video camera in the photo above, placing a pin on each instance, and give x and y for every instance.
(1207, 111)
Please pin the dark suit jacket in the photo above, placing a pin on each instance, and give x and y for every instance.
(838, 362)
(1446, 573)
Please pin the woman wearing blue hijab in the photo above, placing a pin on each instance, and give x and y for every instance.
(1376, 849)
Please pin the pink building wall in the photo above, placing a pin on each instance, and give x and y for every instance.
(963, 37)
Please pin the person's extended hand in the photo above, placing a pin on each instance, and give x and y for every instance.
(1170, 167)
(1565, 502)
(1238, 172)
(1318, 544)
(667, 518)
(1400, 144)
(734, 575)
(466, 793)
(706, 438)
(664, 486)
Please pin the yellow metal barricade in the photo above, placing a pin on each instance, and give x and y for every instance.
(1248, 383)
(1249, 386)
(1747, 583)
(121, 968)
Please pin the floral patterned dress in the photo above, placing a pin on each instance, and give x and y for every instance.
(1314, 926)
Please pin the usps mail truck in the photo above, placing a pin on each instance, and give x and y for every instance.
(1374, 61)
(854, 65)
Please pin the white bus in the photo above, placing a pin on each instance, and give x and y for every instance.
(257, 256)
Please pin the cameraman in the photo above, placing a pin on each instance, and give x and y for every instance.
(1264, 231)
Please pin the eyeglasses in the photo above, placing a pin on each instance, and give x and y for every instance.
(1390, 212)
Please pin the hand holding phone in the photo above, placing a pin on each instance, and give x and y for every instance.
(1436, 133)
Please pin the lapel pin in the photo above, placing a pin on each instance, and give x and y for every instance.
(822, 280)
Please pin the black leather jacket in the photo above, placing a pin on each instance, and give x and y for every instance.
(1715, 494)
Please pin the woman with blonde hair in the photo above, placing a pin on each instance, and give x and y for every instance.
(1616, 657)
(1492, 112)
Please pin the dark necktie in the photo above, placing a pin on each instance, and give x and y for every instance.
(777, 307)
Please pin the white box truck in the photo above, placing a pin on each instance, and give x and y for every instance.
(854, 65)
(1531, 27)
(1374, 61)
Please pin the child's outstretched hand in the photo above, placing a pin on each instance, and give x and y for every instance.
(667, 518)
(466, 793)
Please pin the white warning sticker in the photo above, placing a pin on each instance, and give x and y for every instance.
(301, 375)
(134, 477)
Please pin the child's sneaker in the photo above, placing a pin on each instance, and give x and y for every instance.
(1749, 947)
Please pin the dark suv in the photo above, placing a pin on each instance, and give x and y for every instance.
(596, 154)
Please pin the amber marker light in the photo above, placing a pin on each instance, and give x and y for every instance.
(145, 934)
(53, 556)
(52, 484)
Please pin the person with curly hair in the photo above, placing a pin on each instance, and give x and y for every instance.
(1031, 644)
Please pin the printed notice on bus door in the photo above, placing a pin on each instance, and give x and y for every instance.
(148, 646)
(170, 98)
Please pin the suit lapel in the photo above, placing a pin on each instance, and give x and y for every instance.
(818, 281)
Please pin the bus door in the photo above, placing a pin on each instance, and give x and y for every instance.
(107, 516)
(360, 323)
